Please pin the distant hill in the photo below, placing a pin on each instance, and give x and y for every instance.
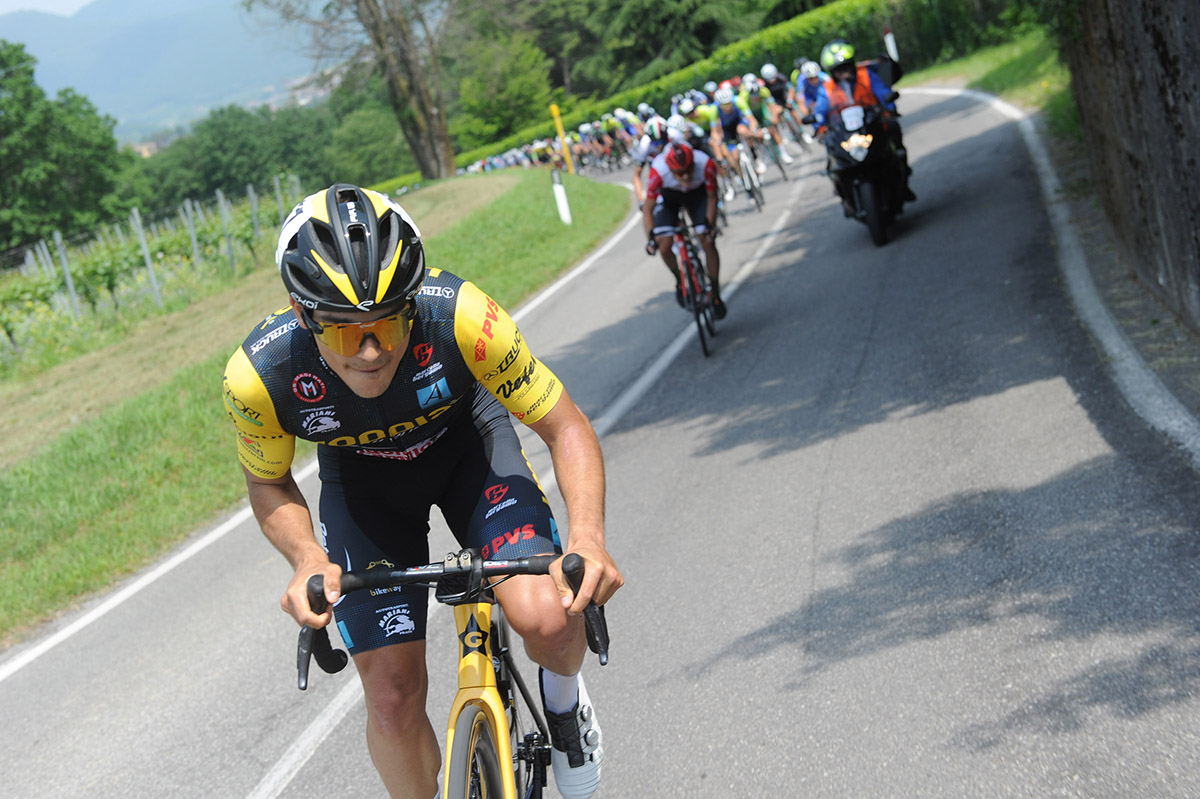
(155, 64)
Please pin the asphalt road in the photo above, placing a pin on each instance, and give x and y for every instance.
(899, 536)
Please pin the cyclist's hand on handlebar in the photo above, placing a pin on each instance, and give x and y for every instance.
(295, 598)
(601, 579)
(651, 245)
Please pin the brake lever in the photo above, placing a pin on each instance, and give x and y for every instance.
(593, 614)
(315, 642)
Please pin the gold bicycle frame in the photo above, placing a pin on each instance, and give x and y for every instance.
(477, 686)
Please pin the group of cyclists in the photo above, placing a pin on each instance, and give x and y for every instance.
(407, 377)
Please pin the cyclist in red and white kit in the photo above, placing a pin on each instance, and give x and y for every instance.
(681, 178)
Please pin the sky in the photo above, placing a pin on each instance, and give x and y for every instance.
(62, 7)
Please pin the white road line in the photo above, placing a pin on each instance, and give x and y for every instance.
(299, 753)
(303, 748)
(1141, 387)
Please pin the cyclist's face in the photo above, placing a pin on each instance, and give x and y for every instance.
(682, 175)
(369, 369)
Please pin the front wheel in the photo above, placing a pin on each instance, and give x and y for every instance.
(873, 213)
(474, 768)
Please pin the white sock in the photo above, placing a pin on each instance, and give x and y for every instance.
(560, 693)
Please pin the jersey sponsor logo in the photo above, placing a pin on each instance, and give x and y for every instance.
(395, 431)
(320, 420)
(508, 360)
(424, 373)
(397, 620)
(496, 493)
(434, 394)
(242, 409)
(402, 454)
(437, 291)
(492, 314)
(508, 503)
(509, 387)
(423, 352)
(520, 534)
(308, 387)
(253, 446)
(480, 350)
(273, 335)
(540, 400)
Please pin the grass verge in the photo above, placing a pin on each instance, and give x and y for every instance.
(105, 497)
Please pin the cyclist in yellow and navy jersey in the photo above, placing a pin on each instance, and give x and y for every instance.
(406, 376)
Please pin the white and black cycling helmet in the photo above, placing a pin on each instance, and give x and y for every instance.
(686, 106)
(769, 72)
(724, 96)
(810, 69)
(710, 87)
(347, 248)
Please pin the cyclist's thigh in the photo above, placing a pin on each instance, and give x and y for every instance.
(375, 513)
(666, 212)
(696, 203)
(493, 501)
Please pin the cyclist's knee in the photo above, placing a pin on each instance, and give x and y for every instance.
(395, 683)
(533, 609)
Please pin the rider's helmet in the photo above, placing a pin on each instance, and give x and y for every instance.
(656, 129)
(677, 127)
(679, 156)
(686, 107)
(809, 69)
(748, 80)
(836, 53)
(724, 96)
(710, 87)
(645, 111)
(769, 72)
(799, 62)
(347, 248)
(606, 117)
(586, 127)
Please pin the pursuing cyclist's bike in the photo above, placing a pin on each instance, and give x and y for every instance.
(695, 284)
(497, 743)
(750, 179)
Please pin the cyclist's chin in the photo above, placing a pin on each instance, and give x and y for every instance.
(367, 380)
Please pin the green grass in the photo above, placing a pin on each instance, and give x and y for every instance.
(110, 496)
(1026, 72)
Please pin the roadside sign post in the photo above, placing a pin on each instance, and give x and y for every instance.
(562, 138)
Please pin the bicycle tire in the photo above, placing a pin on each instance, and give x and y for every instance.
(749, 179)
(474, 769)
(777, 157)
(710, 321)
(693, 267)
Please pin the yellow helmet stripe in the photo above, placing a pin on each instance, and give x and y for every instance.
(339, 278)
(319, 206)
(387, 273)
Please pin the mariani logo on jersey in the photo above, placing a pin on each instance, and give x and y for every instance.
(435, 394)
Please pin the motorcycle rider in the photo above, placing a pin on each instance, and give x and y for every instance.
(853, 84)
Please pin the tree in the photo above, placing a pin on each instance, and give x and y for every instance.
(58, 158)
(508, 85)
(403, 39)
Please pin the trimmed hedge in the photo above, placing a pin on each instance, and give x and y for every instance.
(926, 32)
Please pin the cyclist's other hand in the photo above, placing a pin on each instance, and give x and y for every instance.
(295, 598)
(601, 579)
(652, 246)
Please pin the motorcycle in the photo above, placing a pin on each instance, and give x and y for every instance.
(868, 170)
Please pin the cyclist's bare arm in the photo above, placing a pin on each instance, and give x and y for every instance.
(286, 521)
(579, 470)
(638, 191)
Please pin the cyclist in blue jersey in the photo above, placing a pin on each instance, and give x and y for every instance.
(734, 123)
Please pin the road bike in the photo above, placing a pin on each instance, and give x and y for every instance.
(750, 180)
(497, 742)
(772, 148)
(695, 284)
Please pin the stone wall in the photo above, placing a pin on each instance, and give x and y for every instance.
(1135, 68)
